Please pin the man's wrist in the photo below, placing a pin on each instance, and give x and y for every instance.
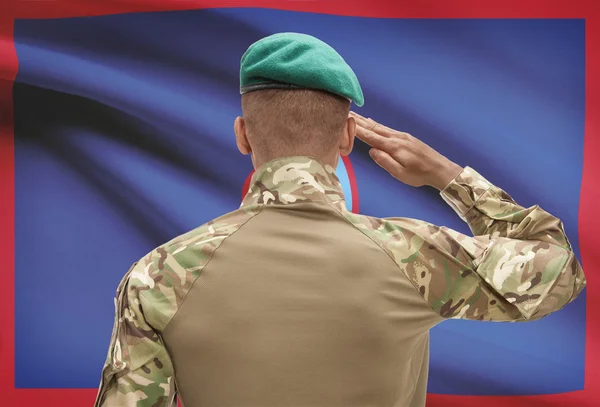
(445, 175)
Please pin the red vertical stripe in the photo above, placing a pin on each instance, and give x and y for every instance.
(589, 206)
(8, 71)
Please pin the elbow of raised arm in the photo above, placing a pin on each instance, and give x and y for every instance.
(565, 281)
(576, 276)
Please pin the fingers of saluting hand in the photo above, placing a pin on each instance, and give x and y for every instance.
(375, 139)
(372, 125)
(363, 121)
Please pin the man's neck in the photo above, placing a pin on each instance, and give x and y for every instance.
(292, 179)
(329, 159)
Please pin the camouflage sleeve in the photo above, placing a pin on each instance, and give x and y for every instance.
(488, 210)
(138, 370)
(519, 266)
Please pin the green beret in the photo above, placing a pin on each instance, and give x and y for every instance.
(292, 60)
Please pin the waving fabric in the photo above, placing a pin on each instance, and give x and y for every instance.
(124, 139)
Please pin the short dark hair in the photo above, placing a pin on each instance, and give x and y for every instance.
(286, 122)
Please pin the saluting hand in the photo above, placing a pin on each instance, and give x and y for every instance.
(405, 157)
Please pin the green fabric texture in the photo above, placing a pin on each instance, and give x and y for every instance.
(293, 60)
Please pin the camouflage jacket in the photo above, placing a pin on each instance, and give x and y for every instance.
(518, 266)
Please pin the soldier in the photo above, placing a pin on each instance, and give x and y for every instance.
(292, 300)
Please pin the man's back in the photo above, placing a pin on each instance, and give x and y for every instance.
(299, 308)
(294, 301)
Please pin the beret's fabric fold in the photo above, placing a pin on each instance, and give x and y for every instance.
(294, 60)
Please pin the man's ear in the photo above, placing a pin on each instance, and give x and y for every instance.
(347, 139)
(241, 138)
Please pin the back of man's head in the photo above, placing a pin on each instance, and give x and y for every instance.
(287, 122)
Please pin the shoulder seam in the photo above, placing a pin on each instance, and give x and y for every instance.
(260, 208)
(369, 237)
(391, 258)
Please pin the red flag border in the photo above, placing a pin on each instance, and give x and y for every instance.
(588, 223)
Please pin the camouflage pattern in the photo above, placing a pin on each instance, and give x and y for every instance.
(497, 214)
(138, 371)
(295, 179)
(519, 266)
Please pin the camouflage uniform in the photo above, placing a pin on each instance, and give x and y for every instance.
(312, 305)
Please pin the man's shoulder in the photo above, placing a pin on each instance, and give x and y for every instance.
(164, 276)
(406, 240)
(385, 230)
(407, 236)
(211, 233)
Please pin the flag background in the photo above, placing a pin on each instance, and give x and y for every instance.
(121, 133)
